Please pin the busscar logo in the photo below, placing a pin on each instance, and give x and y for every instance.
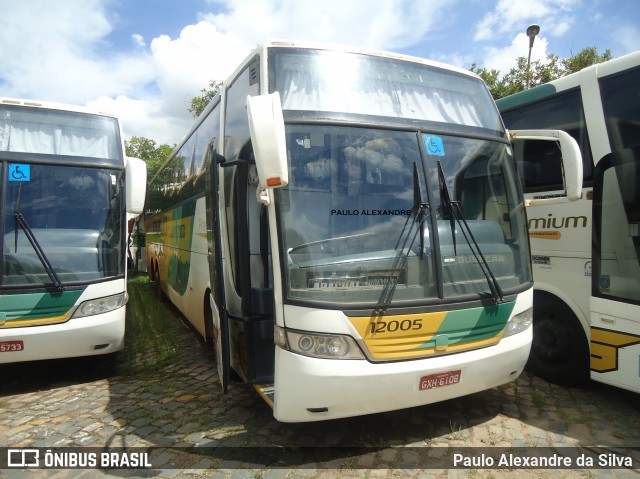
(23, 458)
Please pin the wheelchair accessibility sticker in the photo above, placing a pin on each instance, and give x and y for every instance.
(434, 145)
(18, 172)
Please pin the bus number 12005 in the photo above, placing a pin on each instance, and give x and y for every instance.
(393, 326)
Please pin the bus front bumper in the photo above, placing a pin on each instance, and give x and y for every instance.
(310, 389)
(88, 336)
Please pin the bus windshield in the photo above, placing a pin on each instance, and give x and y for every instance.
(75, 215)
(56, 132)
(325, 81)
(348, 217)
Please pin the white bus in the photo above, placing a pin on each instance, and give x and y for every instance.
(67, 188)
(585, 254)
(347, 228)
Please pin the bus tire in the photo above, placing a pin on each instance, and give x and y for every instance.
(559, 351)
(157, 287)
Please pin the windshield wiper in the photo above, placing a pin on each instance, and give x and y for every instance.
(454, 211)
(404, 245)
(22, 223)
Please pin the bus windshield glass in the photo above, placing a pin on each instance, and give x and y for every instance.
(63, 133)
(323, 81)
(349, 225)
(75, 215)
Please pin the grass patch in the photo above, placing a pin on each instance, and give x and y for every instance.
(149, 343)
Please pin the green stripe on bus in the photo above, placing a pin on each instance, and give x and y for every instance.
(180, 239)
(38, 305)
(475, 324)
(526, 96)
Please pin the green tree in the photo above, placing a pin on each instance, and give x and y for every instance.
(584, 58)
(538, 72)
(198, 103)
(149, 152)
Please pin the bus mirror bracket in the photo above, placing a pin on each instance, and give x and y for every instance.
(136, 185)
(263, 196)
(571, 163)
(266, 126)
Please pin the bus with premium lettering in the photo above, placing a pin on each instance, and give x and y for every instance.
(347, 229)
(586, 254)
(67, 192)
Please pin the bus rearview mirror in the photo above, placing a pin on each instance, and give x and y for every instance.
(266, 126)
(571, 162)
(136, 185)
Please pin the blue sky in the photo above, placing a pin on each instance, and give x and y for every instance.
(146, 59)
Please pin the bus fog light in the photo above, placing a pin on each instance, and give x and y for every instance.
(100, 305)
(324, 346)
(520, 322)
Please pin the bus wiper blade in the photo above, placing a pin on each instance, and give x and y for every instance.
(454, 211)
(404, 245)
(22, 223)
(447, 204)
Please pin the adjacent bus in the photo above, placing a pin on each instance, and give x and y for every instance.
(347, 228)
(586, 254)
(67, 188)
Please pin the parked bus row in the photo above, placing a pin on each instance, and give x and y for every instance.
(346, 228)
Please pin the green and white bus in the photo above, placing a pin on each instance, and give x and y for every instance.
(67, 188)
(347, 228)
(586, 254)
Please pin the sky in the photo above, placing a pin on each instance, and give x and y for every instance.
(144, 60)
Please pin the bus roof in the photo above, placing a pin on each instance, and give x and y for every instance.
(53, 106)
(570, 81)
(261, 49)
(364, 51)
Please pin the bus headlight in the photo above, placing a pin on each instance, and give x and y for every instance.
(325, 346)
(519, 322)
(101, 305)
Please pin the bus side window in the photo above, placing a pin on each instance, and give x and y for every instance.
(620, 100)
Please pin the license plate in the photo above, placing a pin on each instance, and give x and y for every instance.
(439, 380)
(11, 346)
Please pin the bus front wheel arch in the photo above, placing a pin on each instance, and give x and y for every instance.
(560, 350)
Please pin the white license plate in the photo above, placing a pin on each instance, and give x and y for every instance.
(11, 346)
(439, 380)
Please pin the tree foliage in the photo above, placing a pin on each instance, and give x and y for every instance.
(539, 72)
(198, 103)
(150, 152)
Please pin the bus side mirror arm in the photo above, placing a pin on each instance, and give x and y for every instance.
(571, 163)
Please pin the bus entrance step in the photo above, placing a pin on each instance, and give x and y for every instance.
(267, 392)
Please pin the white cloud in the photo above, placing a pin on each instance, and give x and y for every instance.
(511, 15)
(503, 59)
(138, 40)
(628, 36)
(53, 56)
(385, 24)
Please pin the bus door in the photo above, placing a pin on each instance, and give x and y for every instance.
(615, 300)
(250, 305)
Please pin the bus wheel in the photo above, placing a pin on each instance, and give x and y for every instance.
(157, 287)
(559, 351)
